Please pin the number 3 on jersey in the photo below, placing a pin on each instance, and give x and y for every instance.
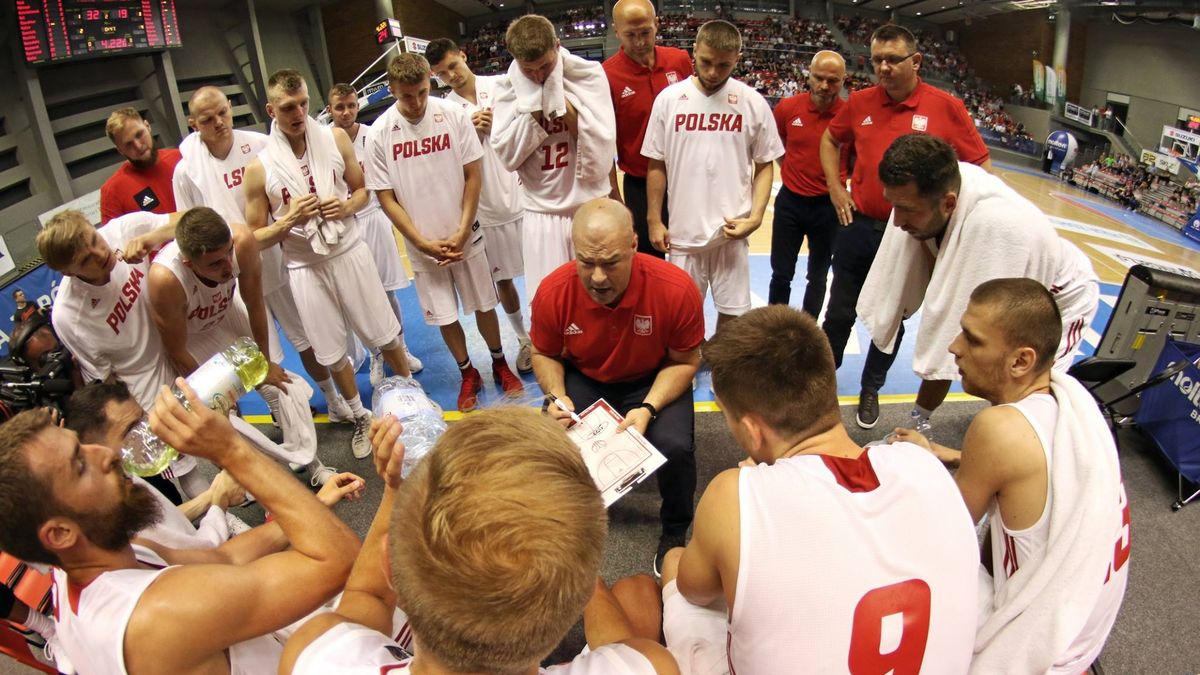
(555, 157)
(907, 601)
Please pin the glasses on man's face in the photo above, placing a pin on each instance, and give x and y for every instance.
(892, 61)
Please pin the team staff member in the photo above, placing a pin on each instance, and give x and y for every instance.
(802, 206)
(626, 328)
(636, 73)
(871, 119)
(143, 182)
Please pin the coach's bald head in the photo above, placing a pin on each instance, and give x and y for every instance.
(605, 244)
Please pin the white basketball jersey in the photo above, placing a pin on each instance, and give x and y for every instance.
(352, 649)
(1016, 553)
(176, 531)
(108, 328)
(297, 252)
(422, 164)
(91, 621)
(864, 565)
(208, 304)
(362, 153)
(500, 200)
(709, 145)
(549, 178)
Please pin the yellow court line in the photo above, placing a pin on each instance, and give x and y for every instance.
(699, 406)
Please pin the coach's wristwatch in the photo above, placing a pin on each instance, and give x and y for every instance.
(647, 406)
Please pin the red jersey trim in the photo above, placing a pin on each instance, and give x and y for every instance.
(856, 475)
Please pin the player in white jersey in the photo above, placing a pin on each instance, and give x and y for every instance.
(562, 155)
(468, 614)
(69, 504)
(205, 293)
(500, 198)
(713, 141)
(102, 311)
(300, 181)
(375, 227)
(425, 167)
(1059, 558)
(816, 551)
(212, 173)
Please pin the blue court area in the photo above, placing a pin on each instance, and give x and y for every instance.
(441, 376)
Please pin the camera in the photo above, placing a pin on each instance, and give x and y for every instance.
(39, 371)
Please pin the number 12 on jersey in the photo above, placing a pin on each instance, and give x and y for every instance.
(555, 157)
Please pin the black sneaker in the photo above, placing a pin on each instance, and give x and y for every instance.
(868, 408)
(665, 543)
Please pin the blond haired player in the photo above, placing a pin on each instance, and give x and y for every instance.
(376, 229)
(501, 197)
(212, 173)
(297, 188)
(425, 167)
(524, 563)
(713, 141)
(562, 155)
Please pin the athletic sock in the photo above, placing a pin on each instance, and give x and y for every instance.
(518, 325)
(497, 354)
(356, 406)
(328, 389)
(464, 365)
(39, 623)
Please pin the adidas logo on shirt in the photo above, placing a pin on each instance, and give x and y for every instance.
(627, 93)
(797, 123)
(573, 330)
(147, 200)
(867, 122)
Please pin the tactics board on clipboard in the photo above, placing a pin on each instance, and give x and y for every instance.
(617, 461)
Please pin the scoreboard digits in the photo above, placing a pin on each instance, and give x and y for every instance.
(58, 30)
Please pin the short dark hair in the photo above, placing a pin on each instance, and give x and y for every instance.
(85, 409)
(17, 290)
(1026, 315)
(720, 35)
(890, 31)
(341, 89)
(926, 160)
(776, 362)
(408, 68)
(530, 37)
(201, 230)
(26, 500)
(437, 50)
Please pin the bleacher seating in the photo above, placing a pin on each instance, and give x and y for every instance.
(1121, 179)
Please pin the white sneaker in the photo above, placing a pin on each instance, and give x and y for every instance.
(525, 358)
(339, 410)
(321, 474)
(360, 443)
(236, 525)
(377, 373)
(414, 364)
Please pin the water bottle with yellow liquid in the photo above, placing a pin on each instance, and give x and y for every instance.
(218, 383)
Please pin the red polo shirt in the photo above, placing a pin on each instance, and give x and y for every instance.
(132, 189)
(633, 88)
(871, 120)
(801, 126)
(661, 310)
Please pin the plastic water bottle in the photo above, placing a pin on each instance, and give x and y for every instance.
(218, 383)
(421, 417)
(920, 424)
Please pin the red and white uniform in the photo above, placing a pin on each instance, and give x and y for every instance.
(352, 649)
(131, 189)
(422, 163)
(500, 199)
(833, 574)
(376, 228)
(633, 88)
(90, 621)
(801, 125)
(1016, 553)
(108, 328)
(176, 531)
(339, 291)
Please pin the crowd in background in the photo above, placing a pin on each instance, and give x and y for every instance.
(1134, 185)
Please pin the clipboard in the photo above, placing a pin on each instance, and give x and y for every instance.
(617, 461)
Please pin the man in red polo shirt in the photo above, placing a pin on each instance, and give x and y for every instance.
(636, 73)
(871, 119)
(143, 182)
(625, 327)
(802, 206)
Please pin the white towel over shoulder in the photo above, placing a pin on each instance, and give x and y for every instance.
(204, 174)
(323, 160)
(993, 233)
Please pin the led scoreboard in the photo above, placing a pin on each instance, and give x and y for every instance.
(59, 30)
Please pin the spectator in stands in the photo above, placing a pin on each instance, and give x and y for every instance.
(636, 74)
(143, 182)
(1058, 556)
(871, 120)
(151, 608)
(25, 309)
(523, 561)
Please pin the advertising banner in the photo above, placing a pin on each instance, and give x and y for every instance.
(1039, 81)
